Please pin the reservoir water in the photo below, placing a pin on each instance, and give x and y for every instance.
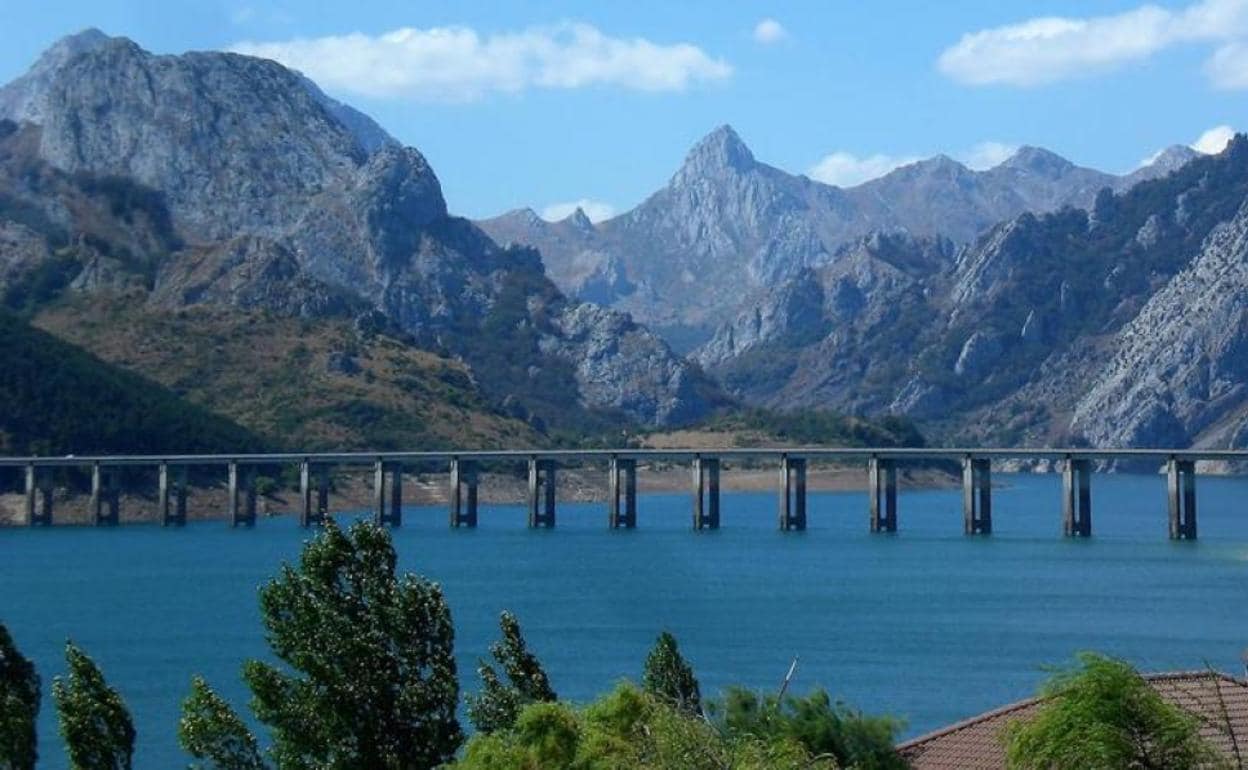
(927, 624)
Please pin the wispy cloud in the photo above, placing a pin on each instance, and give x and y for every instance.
(1049, 49)
(595, 210)
(243, 14)
(459, 64)
(1214, 140)
(986, 155)
(769, 31)
(1228, 67)
(845, 169)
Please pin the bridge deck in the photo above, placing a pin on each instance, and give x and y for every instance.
(604, 455)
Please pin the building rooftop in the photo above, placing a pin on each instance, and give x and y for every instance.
(1219, 701)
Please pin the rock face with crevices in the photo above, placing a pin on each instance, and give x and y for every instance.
(1123, 325)
(1179, 372)
(727, 226)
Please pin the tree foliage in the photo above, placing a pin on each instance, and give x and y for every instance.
(670, 678)
(629, 729)
(210, 730)
(19, 707)
(1102, 715)
(369, 681)
(821, 726)
(94, 721)
(498, 704)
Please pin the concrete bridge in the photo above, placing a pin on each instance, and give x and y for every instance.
(621, 466)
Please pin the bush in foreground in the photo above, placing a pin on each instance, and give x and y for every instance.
(629, 729)
(1102, 714)
(816, 722)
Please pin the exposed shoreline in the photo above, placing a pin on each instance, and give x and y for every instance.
(353, 491)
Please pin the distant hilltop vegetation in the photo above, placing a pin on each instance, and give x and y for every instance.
(217, 225)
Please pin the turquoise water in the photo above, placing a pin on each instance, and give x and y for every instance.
(927, 624)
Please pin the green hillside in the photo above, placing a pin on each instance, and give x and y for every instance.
(56, 399)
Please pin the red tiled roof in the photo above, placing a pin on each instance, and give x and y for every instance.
(1219, 701)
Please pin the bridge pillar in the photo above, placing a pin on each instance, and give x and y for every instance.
(38, 498)
(1181, 495)
(172, 511)
(387, 512)
(977, 495)
(705, 492)
(244, 515)
(622, 483)
(792, 493)
(313, 514)
(464, 480)
(882, 489)
(541, 493)
(105, 496)
(1077, 498)
(396, 495)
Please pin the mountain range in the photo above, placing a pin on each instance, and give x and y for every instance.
(220, 227)
(166, 185)
(727, 224)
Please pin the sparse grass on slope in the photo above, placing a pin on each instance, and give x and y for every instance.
(311, 384)
(58, 399)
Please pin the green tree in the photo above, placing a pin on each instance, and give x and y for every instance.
(498, 703)
(370, 680)
(19, 707)
(1102, 715)
(95, 724)
(209, 729)
(823, 727)
(669, 677)
(628, 729)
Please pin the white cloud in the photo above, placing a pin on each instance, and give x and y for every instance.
(845, 169)
(1214, 140)
(1048, 49)
(1210, 142)
(595, 210)
(1228, 67)
(769, 31)
(986, 155)
(458, 64)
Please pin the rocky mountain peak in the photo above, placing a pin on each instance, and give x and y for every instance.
(718, 151)
(1173, 157)
(21, 99)
(1038, 160)
(936, 167)
(579, 220)
(71, 45)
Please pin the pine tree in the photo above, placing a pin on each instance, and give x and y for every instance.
(95, 724)
(369, 681)
(668, 677)
(497, 705)
(19, 707)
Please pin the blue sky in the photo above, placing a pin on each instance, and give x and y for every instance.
(542, 103)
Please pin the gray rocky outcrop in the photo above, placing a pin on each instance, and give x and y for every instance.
(1181, 366)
